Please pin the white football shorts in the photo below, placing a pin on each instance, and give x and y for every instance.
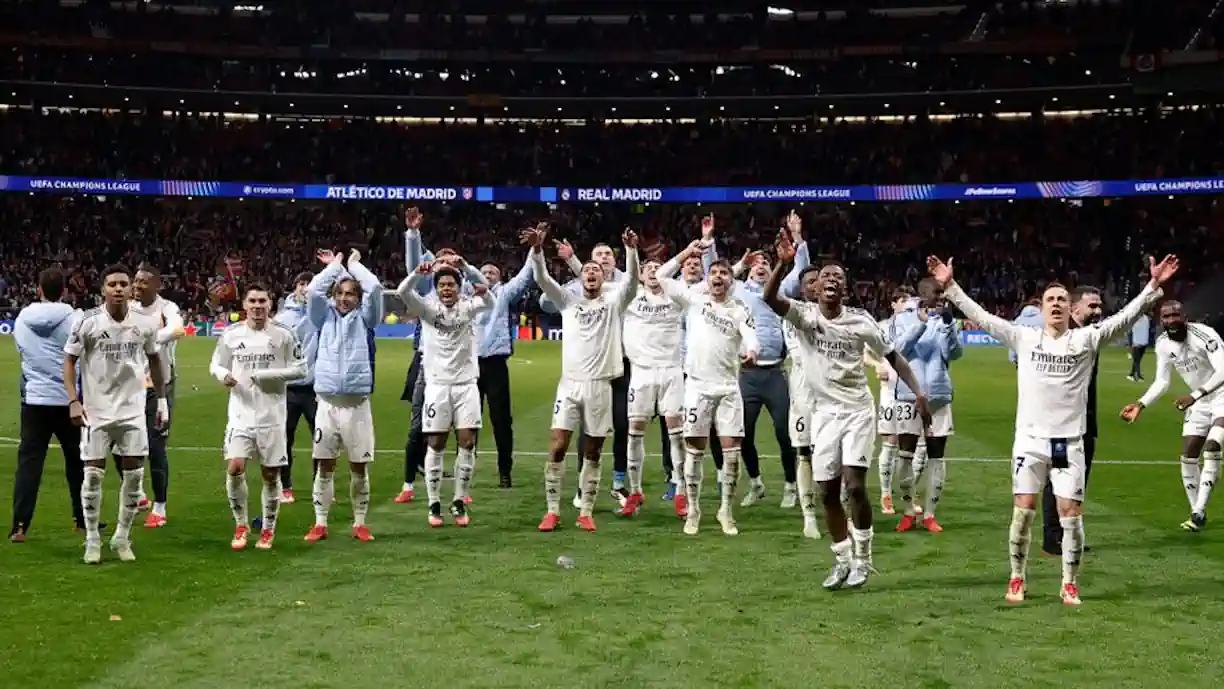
(1197, 422)
(719, 405)
(450, 406)
(654, 390)
(1061, 462)
(123, 438)
(344, 423)
(841, 438)
(908, 422)
(887, 422)
(266, 444)
(583, 402)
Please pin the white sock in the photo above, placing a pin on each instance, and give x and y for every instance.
(465, 466)
(91, 502)
(937, 470)
(1020, 536)
(637, 457)
(694, 472)
(905, 471)
(590, 486)
(236, 491)
(359, 494)
(159, 508)
(757, 482)
(271, 503)
(807, 487)
(433, 475)
(888, 460)
(323, 492)
(862, 543)
(553, 473)
(730, 477)
(675, 439)
(406, 487)
(1072, 547)
(843, 550)
(129, 501)
(920, 460)
(1211, 474)
(1191, 476)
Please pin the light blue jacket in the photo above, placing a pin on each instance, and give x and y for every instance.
(768, 324)
(929, 348)
(345, 355)
(1141, 332)
(1030, 316)
(292, 315)
(41, 331)
(495, 336)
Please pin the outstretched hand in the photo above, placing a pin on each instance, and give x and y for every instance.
(328, 257)
(413, 218)
(630, 238)
(942, 272)
(1161, 272)
(533, 237)
(784, 247)
(425, 268)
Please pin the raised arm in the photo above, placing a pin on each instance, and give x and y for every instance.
(295, 363)
(1003, 331)
(407, 292)
(371, 290)
(318, 305)
(627, 288)
(518, 285)
(673, 264)
(778, 303)
(555, 293)
(1107, 329)
(790, 284)
(677, 291)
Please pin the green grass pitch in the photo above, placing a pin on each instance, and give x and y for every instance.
(644, 606)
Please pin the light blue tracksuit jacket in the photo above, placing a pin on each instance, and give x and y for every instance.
(41, 331)
(345, 359)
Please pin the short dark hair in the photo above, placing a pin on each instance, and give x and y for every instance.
(804, 273)
(1082, 291)
(447, 271)
(116, 269)
(51, 282)
(256, 286)
(833, 264)
(902, 292)
(721, 262)
(927, 281)
(304, 276)
(150, 269)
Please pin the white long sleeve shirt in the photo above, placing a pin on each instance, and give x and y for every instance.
(654, 330)
(1053, 373)
(718, 332)
(591, 329)
(1199, 361)
(833, 352)
(263, 362)
(450, 358)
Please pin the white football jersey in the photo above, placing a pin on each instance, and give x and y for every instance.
(1052, 374)
(450, 358)
(718, 332)
(1199, 361)
(654, 331)
(113, 357)
(263, 362)
(162, 313)
(833, 351)
(591, 329)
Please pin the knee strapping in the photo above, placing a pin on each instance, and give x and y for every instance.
(1216, 435)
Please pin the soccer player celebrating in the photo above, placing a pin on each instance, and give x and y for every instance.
(452, 399)
(886, 426)
(255, 359)
(929, 340)
(1197, 353)
(164, 315)
(344, 379)
(115, 349)
(1054, 367)
(722, 336)
(843, 413)
(591, 357)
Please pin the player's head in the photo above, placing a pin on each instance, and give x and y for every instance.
(116, 284)
(491, 273)
(1173, 320)
(257, 302)
(760, 269)
(1086, 305)
(719, 278)
(1056, 306)
(300, 283)
(346, 294)
(51, 284)
(809, 283)
(832, 284)
(592, 277)
(447, 257)
(446, 284)
(147, 282)
(900, 298)
(605, 257)
(693, 269)
(649, 275)
(930, 293)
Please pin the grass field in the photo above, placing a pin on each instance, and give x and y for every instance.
(644, 606)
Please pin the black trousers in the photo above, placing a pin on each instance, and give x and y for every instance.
(38, 425)
(766, 386)
(414, 448)
(494, 385)
(1137, 360)
(301, 404)
(159, 461)
(1052, 529)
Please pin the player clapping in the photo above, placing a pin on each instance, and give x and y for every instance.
(1054, 368)
(591, 356)
(255, 359)
(1197, 353)
(452, 399)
